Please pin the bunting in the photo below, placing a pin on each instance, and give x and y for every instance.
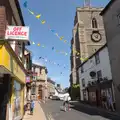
(61, 38)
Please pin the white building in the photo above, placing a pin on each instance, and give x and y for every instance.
(95, 77)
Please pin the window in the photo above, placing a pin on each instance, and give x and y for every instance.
(17, 98)
(99, 74)
(83, 82)
(94, 23)
(97, 59)
(118, 16)
(82, 70)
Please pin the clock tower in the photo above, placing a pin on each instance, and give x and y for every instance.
(91, 33)
(88, 35)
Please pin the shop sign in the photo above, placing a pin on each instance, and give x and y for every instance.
(17, 33)
(27, 79)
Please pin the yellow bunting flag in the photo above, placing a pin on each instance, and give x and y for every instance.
(43, 21)
(61, 38)
(38, 44)
(33, 43)
(38, 16)
(65, 41)
(31, 12)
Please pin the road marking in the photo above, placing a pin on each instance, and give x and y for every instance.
(49, 116)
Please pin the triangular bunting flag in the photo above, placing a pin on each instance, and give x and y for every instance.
(25, 4)
(31, 12)
(61, 38)
(65, 41)
(43, 21)
(38, 44)
(38, 16)
(33, 43)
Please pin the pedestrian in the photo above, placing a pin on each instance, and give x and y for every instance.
(110, 103)
(104, 101)
(66, 101)
(32, 105)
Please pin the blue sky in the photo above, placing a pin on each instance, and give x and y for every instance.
(59, 14)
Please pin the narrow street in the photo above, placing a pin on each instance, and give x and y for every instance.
(53, 112)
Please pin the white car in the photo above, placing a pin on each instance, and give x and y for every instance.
(61, 96)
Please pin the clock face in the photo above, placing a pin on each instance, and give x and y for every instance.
(96, 37)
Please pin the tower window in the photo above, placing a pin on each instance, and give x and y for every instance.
(94, 23)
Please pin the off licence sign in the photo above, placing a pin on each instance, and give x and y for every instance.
(17, 32)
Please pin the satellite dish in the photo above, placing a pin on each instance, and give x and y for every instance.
(92, 74)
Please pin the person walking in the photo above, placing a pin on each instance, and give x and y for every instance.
(104, 101)
(32, 105)
(110, 103)
(66, 101)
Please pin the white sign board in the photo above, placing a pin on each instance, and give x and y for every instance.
(17, 32)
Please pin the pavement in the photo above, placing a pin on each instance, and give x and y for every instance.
(78, 105)
(53, 112)
(38, 113)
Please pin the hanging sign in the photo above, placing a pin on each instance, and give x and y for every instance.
(17, 32)
(27, 79)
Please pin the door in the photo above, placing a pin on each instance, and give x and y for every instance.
(40, 94)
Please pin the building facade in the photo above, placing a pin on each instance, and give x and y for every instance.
(13, 73)
(111, 18)
(50, 86)
(39, 83)
(88, 36)
(95, 77)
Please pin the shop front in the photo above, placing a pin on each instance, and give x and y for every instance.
(13, 73)
(95, 92)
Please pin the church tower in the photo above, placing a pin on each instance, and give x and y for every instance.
(88, 35)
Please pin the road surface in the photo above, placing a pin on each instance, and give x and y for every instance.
(53, 112)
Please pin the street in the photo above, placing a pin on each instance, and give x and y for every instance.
(53, 112)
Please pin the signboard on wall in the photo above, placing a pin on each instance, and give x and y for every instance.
(17, 33)
(27, 79)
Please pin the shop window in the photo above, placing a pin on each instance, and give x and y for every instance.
(97, 58)
(94, 23)
(17, 99)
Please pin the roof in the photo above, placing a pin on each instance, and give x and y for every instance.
(36, 65)
(107, 7)
(50, 81)
(93, 55)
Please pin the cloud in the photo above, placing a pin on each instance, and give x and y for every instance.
(37, 62)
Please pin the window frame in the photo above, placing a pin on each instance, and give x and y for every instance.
(99, 74)
(97, 58)
(83, 83)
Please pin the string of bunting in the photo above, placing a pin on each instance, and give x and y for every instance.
(38, 16)
(52, 48)
(52, 62)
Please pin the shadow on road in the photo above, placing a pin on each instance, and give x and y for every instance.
(92, 111)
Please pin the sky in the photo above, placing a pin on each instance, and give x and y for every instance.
(59, 15)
